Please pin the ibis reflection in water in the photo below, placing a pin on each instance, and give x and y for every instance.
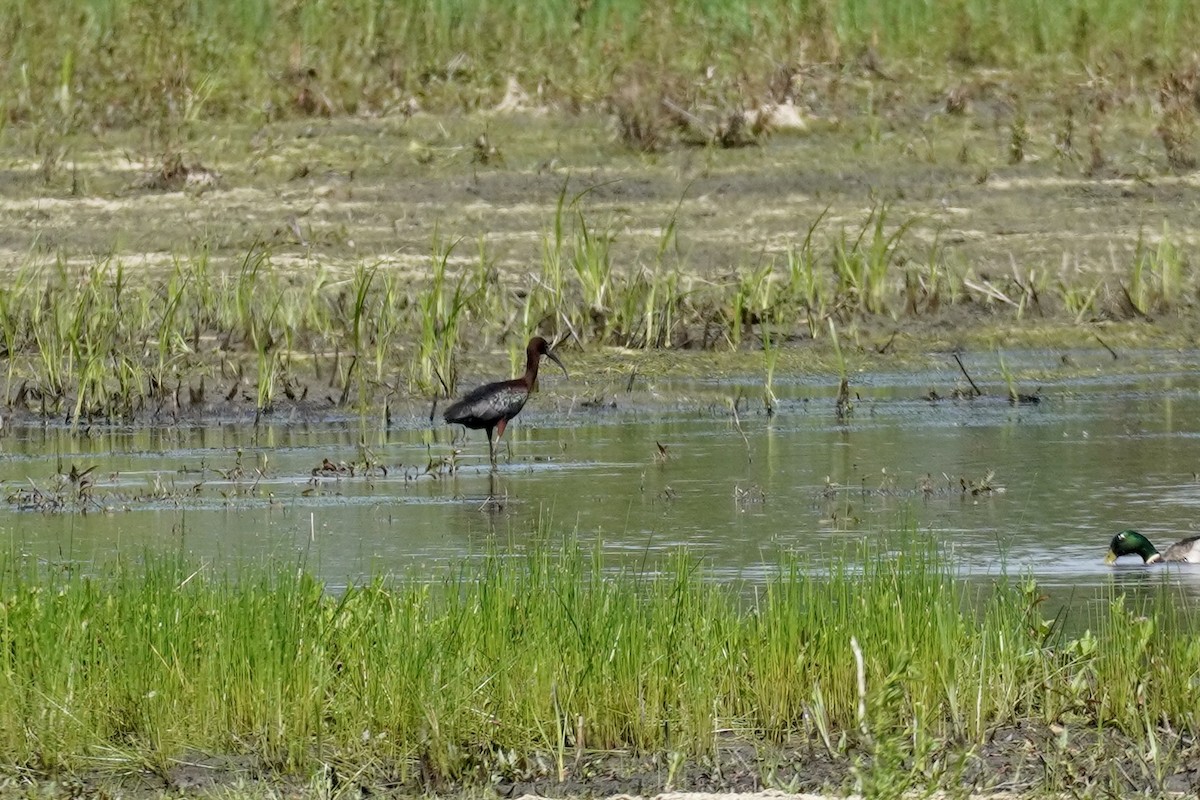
(492, 405)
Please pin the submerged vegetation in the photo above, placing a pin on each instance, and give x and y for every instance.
(549, 666)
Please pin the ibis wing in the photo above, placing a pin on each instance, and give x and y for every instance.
(487, 405)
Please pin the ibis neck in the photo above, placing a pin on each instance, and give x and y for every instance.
(532, 359)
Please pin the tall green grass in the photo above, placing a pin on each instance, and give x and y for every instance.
(548, 653)
(1157, 276)
(171, 63)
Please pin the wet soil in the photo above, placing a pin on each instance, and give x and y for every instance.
(1018, 761)
(346, 191)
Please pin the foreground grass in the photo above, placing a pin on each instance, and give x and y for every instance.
(529, 665)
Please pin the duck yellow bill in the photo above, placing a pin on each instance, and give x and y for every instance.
(1110, 557)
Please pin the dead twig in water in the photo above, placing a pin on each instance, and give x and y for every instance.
(1111, 352)
(737, 423)
(968, 375)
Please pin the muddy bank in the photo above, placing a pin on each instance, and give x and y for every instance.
(1019, 761)
(337, 192)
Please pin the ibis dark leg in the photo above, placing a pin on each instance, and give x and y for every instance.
(499, 434)
(491, 449)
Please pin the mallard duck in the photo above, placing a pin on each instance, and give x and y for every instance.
(1133, 543)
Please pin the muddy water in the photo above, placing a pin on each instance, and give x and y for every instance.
(1034, 489)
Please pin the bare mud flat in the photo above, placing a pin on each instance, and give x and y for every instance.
(335, 193)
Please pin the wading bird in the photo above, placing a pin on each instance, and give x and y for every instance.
(1133, 543)
(492, 405)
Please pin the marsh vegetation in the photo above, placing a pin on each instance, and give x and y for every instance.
(111, 341)
(352, 209)
(289, 211)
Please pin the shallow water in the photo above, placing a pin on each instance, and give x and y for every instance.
(1114, 448)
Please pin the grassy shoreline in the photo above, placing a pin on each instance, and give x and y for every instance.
(538, 665)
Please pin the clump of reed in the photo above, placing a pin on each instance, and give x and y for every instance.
(1179, 115)
(527, 663)
(1156, 280)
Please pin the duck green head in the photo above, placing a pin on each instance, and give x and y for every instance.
(1129, 543)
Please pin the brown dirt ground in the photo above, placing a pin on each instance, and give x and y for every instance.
(340, 192)
(1018, 761)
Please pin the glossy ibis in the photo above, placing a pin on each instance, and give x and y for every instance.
(492, 405)
(1128, 543)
